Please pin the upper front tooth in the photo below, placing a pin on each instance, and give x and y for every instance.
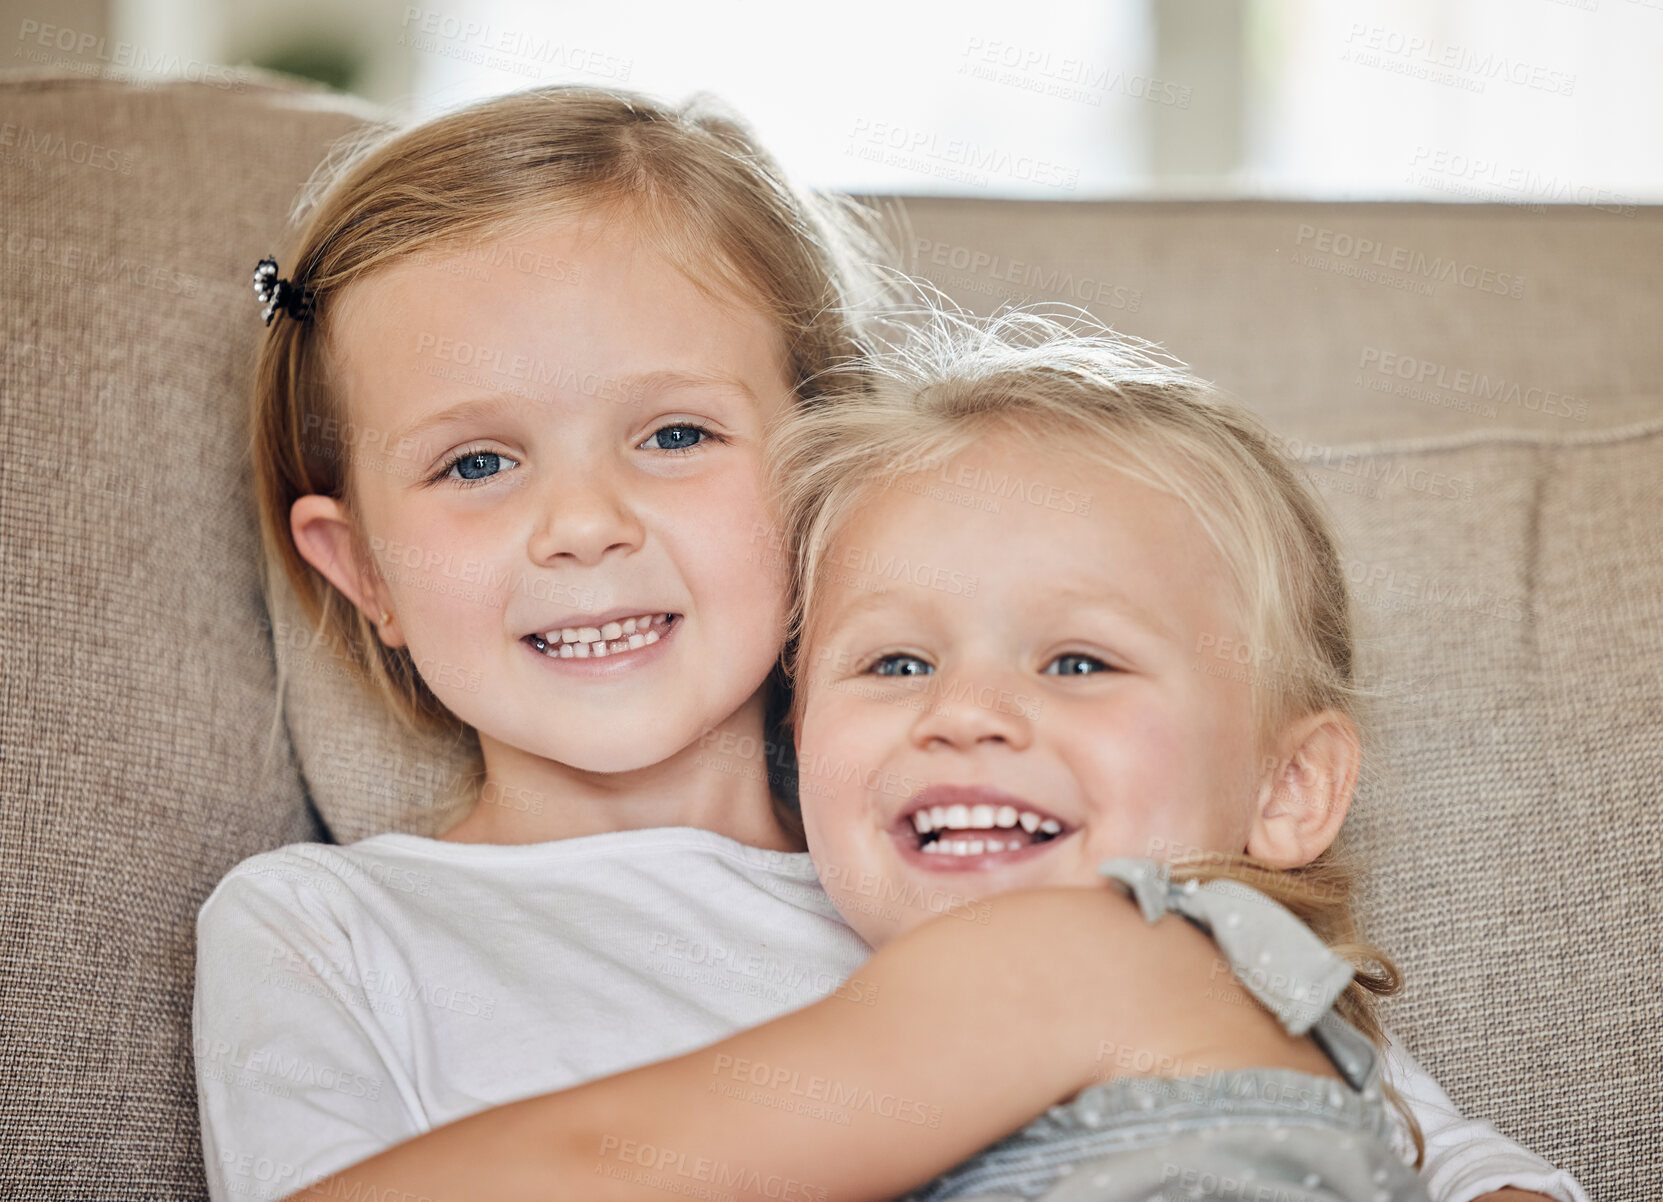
(611, 632)
(981, 815)
(1030, 821)
(958, 816)
(921, 821)
(938, 815)
(1006, 816)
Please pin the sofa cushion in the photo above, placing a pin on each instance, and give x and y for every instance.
(1509, 593)
(142, 753)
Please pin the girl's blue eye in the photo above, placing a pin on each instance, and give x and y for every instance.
(1076, 665)
(682, 436)
(479, 465)
(900, 665)
(475, 467)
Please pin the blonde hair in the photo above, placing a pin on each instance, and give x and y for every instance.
(949, 381)
(694, 181)
(946, 381)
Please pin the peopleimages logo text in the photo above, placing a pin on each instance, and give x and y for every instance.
(1409, 261)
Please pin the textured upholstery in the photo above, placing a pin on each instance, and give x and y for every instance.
(1508, 564)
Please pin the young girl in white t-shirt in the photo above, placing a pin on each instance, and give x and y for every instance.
(512, 402)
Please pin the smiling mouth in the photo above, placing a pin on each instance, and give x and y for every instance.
(598, 642)
(955, 830)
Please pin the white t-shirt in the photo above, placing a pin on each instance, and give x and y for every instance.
(349, 998)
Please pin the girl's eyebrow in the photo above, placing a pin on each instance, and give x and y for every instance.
(1104, 598)
(469, 410)
(627, 388)
(669, 381)
(843, 614)
(1118, 603)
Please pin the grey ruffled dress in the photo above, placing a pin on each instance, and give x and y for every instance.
(1244, 1135)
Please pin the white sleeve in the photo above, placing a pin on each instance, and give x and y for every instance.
(295, 1077)
(1465, 1158)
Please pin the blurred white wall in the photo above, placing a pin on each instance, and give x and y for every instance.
(1530, 101)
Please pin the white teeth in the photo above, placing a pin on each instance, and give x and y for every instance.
(969, 847)
(977, 819)
(981, 817)
(601, 641)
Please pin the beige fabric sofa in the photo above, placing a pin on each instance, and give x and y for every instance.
(1476, 389)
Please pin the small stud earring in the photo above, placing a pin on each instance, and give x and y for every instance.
(386, 617)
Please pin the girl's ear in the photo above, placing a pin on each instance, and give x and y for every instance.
(1306, 791)
(323, 536)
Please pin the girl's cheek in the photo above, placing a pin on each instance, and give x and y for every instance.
(1135, 763)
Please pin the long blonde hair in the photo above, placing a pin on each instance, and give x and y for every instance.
(948, 381)
(692, 179)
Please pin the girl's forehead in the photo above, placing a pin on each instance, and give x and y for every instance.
(1009, 519)
(1017, 505)
(511, 315)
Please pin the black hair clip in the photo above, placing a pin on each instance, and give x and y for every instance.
(280, 295)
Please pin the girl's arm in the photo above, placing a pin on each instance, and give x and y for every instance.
(951, 1036)
(1467, 1158)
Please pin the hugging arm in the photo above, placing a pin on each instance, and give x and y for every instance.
(1467, 1159)
(950, 1037)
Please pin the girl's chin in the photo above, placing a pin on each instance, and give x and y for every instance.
(601, 751)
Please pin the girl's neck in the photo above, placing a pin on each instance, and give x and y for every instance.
(717, 783)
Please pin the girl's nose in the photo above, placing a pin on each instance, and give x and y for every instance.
(965, 709)
(584, 517)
